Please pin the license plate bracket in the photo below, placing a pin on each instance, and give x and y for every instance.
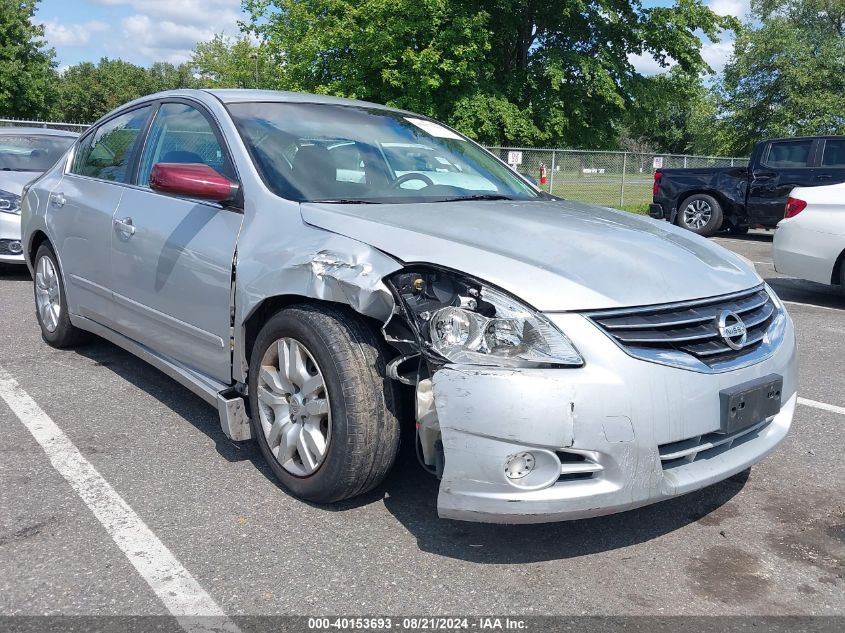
(750, 402)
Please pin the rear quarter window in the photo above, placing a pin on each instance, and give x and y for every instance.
(789, 154)
(834, 153)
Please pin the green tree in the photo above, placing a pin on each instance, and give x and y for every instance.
(787, 76)
(27, 66)
(87, 91)
(223, 62)
(503, 71)
(166, 76)
(673, 113)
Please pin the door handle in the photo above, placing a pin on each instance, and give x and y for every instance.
(824, 177)
(125, 227)
(58, 199)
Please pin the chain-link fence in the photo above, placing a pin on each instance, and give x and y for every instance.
(614, 179)
(48, 125)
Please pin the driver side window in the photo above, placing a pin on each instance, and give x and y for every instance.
(182, 134)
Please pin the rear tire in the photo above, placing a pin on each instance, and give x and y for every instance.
(327, 441)
(51, 302)
(701, 214)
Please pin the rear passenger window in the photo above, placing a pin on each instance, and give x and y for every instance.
(181, 134)
(834, 153)
(106, 153)
(786, 154)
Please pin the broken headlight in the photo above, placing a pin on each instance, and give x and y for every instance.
(465, 321)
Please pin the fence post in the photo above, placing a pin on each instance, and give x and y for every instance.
(622, 188)
(552, 176)
(685, 161)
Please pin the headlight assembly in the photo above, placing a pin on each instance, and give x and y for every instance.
(10, 203)
(463, 320)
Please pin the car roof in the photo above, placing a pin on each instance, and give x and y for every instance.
(237, 95)
(805, 138)
(35, 131)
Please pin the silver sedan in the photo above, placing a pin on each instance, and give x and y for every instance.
(25, 153)
(307, 263)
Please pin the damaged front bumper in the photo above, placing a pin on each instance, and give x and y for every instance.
(615, 434)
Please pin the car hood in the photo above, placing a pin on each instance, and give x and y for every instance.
(14, 181)
(556, 255)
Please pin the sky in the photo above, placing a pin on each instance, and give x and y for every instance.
(146, 31)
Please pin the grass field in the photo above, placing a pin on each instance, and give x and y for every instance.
(606, 193)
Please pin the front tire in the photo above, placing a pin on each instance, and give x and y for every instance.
(701, 214)
(51, 302)
(323, 411)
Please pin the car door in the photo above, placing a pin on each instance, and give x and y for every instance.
(172, 257)
(784, 165)
(831, 166)
(81, 207)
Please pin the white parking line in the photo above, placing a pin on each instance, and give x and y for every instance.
(822, 405)
(812, 305)
(172, 583)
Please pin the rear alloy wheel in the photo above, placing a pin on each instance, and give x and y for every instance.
(51, 302)
(323, 410)
(701, 214)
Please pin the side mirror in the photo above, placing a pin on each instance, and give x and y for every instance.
(193, 180)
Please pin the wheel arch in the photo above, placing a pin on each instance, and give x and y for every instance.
(838, 270)
(35, 241)
(271, 305)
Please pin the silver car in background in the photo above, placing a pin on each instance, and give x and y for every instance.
(279, 255)
(24, 154)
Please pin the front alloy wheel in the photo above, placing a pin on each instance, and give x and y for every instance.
(293, 407)
(323, 412)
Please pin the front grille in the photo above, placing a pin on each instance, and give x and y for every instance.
(690, 327)
(706, 446)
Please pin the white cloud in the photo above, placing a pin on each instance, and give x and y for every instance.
(168, 30)
(218, 14)
(163, 40)
(736, 8)
(717, 54)
(645, 64)
(60, 34)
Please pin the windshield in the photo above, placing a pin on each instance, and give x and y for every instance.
(31, 152)
(336, 153)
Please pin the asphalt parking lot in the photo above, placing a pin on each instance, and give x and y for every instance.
(772, 544)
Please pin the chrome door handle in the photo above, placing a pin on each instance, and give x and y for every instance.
(124, 226)
(58, 199)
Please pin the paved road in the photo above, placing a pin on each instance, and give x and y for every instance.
(773, 544)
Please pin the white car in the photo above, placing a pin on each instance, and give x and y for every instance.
(810, 240)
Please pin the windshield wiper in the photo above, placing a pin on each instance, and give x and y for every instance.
(345, 201)
(481, 196)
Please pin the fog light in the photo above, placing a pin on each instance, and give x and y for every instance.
(519, 465)
(15, 247)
